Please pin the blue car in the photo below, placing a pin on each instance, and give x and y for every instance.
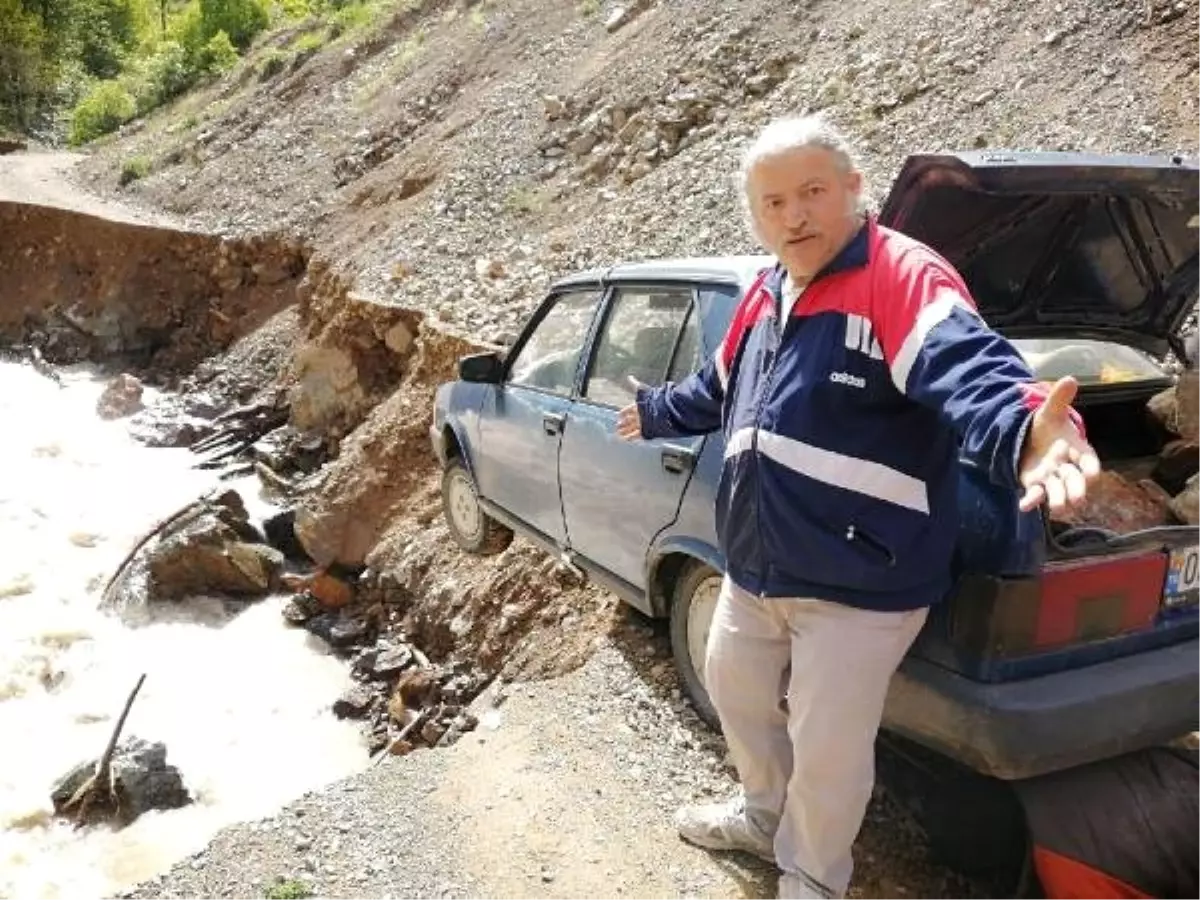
(1058, 645)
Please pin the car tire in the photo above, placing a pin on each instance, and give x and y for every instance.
(973, 823)
(692, 605)
(472, 529)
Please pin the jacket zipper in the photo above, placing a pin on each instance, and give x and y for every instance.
(779, 334)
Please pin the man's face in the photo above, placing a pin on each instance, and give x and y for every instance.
(804, 206)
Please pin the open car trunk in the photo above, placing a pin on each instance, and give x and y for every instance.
(1090, 265)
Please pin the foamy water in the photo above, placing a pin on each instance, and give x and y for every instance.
(242, 704)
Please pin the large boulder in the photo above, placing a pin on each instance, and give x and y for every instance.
(121, 397)
(142, 780)
(215, 551)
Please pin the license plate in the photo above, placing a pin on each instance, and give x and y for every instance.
(1183, 577)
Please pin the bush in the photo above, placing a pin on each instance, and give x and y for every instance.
(133, 168)
(218, 55)
(296, 9)
(272, 63)
(105, 108)
(241, 20)
(161, 77)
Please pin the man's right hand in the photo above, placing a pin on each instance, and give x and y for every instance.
(629, 419)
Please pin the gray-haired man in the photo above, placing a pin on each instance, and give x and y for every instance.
(853, 375)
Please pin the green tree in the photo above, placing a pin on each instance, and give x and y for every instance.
(26, 72)
(106, 31)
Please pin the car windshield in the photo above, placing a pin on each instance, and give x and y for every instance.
(1091, 362)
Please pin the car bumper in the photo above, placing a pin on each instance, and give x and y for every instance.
(1025, 728)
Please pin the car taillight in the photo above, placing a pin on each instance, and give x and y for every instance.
(1088, 599)
(1071, 602)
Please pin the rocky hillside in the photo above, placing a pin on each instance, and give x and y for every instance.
(461, 155)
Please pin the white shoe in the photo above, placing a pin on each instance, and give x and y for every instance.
(724, 826)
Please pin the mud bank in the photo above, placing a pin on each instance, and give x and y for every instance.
(81, 287)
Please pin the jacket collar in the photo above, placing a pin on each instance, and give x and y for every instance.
(855, 255)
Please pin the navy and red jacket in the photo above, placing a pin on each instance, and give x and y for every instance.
(843, 433)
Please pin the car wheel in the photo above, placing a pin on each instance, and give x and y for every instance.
(472, 528)
(692, 608)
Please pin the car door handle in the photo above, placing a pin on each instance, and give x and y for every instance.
(552, 423)
(678, 459)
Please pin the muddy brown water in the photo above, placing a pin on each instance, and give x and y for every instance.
(241, 702)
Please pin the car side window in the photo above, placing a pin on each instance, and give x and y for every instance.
(549, 359)
(639, 339)
(687, 354)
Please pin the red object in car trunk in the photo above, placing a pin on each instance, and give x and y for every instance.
(1092, 599)
(1070, 603)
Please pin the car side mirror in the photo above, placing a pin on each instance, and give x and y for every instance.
(481, 368)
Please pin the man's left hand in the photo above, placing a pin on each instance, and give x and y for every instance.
(1056, 462)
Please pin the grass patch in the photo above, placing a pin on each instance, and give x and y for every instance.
(272, 63)
(524, 200)
(311, 42)
(589, 8)
(291, 889)
(132, 169)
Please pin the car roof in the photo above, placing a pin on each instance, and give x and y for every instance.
(738, 270)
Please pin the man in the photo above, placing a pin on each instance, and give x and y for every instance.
(853, 376)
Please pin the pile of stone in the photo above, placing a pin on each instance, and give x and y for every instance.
(372, 149)
(628, 138)
(403, 700)
(1160, 491)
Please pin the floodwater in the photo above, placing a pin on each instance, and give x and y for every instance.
(241, 702)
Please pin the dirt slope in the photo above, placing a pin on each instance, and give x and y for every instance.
(526, 133)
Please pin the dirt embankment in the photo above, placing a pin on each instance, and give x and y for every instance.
(82, 287)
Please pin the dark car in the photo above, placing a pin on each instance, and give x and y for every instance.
(1059, 645)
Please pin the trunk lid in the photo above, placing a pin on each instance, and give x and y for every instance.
(1062, 243)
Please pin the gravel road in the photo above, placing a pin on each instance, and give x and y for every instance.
(46, 179)
(567, 789)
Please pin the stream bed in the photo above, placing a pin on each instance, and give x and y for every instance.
(241, 701)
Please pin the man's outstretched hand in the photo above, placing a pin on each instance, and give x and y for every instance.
(629, 419)
(1057, 462)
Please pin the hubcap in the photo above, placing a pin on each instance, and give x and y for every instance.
(700, 616)
(464, 510)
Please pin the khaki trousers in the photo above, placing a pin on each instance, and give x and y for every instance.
(807, 762)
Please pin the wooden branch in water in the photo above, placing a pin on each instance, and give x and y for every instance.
(195, 507)
(101, 780)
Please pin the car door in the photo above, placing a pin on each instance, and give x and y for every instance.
(521, 422)
(617, 495)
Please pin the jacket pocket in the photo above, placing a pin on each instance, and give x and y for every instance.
(869, 545)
